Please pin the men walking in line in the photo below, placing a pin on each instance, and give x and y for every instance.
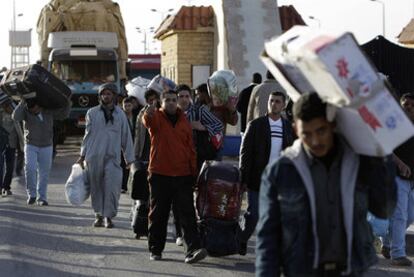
(260, 95)
(264, 139)
(403, 217)
(107, 133)
(172, 170)
(244, 98)
(38, 146)
(314, 202)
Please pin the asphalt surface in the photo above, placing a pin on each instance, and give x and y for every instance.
(59, 240)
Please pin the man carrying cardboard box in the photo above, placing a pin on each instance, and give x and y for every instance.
(314, 201)
(394, 245)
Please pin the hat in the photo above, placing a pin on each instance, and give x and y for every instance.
(109, 86)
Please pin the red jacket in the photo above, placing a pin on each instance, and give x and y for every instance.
(172, 149)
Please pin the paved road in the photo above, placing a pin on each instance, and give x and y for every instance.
(58, 240)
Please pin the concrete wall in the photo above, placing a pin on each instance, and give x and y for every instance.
(242, 27)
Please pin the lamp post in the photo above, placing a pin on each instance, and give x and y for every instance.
(162, 12)
(383, 15)
(316, 19)
(144, 32)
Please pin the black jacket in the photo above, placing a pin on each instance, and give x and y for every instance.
(255, 149)
(243, 104)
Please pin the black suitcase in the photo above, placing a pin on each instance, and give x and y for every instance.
(34, 81)
(139, 222)
(220, 237)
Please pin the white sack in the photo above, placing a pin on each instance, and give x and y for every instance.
(76, 187)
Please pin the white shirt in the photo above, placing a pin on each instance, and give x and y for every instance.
(276, 135)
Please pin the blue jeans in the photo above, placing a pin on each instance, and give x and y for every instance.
(401, 219)
(8, 158)
(379, 226)
(251, 216)
(38, 161)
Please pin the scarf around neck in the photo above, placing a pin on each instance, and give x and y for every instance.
(108, 113)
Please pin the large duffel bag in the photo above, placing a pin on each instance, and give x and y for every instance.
(220, 237)
(219, 191)
(139, 222)
(34, 81)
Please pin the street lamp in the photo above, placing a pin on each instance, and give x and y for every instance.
(316, 19)
(383, 15)
(145, 31)
(162, 12)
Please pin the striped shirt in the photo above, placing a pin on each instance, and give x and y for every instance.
(202, 114)
(276, 135)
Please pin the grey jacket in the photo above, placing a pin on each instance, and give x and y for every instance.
(259, 97)
(39, 132)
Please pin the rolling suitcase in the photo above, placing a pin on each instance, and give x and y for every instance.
(219, 198)
(219, 191)
(34, 81)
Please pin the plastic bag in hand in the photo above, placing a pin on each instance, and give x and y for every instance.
(222, 84)
(77, 189)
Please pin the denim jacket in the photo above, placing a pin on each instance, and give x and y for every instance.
(287, 239)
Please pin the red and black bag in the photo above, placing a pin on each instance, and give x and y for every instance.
(219, 191)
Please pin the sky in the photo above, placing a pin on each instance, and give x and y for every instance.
(362, 17)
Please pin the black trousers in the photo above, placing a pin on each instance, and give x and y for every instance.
(164, 190)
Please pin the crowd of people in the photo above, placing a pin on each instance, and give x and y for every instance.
(313, 201)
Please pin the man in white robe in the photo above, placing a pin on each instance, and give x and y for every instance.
(107, 132)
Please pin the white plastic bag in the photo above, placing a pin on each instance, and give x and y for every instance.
(137, 87)
(77, 189)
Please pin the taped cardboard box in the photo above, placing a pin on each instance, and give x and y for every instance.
(368, 116)
(374, 127)
(310, 60)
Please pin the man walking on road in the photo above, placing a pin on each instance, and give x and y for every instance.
(314, 202)
(403, 217)
(244, 98)
(264, 139)
(107, 132)
(172, 170)
(38, 146)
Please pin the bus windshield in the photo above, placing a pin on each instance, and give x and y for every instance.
(85, 71)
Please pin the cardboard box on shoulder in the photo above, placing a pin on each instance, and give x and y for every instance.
(368, 116)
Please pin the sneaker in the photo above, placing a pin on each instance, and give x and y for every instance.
(179, 241)
(243, 248)
(155, 257)
(196, 256)
(385, 251)
(6, 192)
(98, 221)
(402, 261)
(31, 200)
(108, 223)
(42, 203)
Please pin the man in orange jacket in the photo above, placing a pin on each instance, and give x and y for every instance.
(172, 169)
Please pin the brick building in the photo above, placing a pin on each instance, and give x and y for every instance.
(189, 42)
(187, 50)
